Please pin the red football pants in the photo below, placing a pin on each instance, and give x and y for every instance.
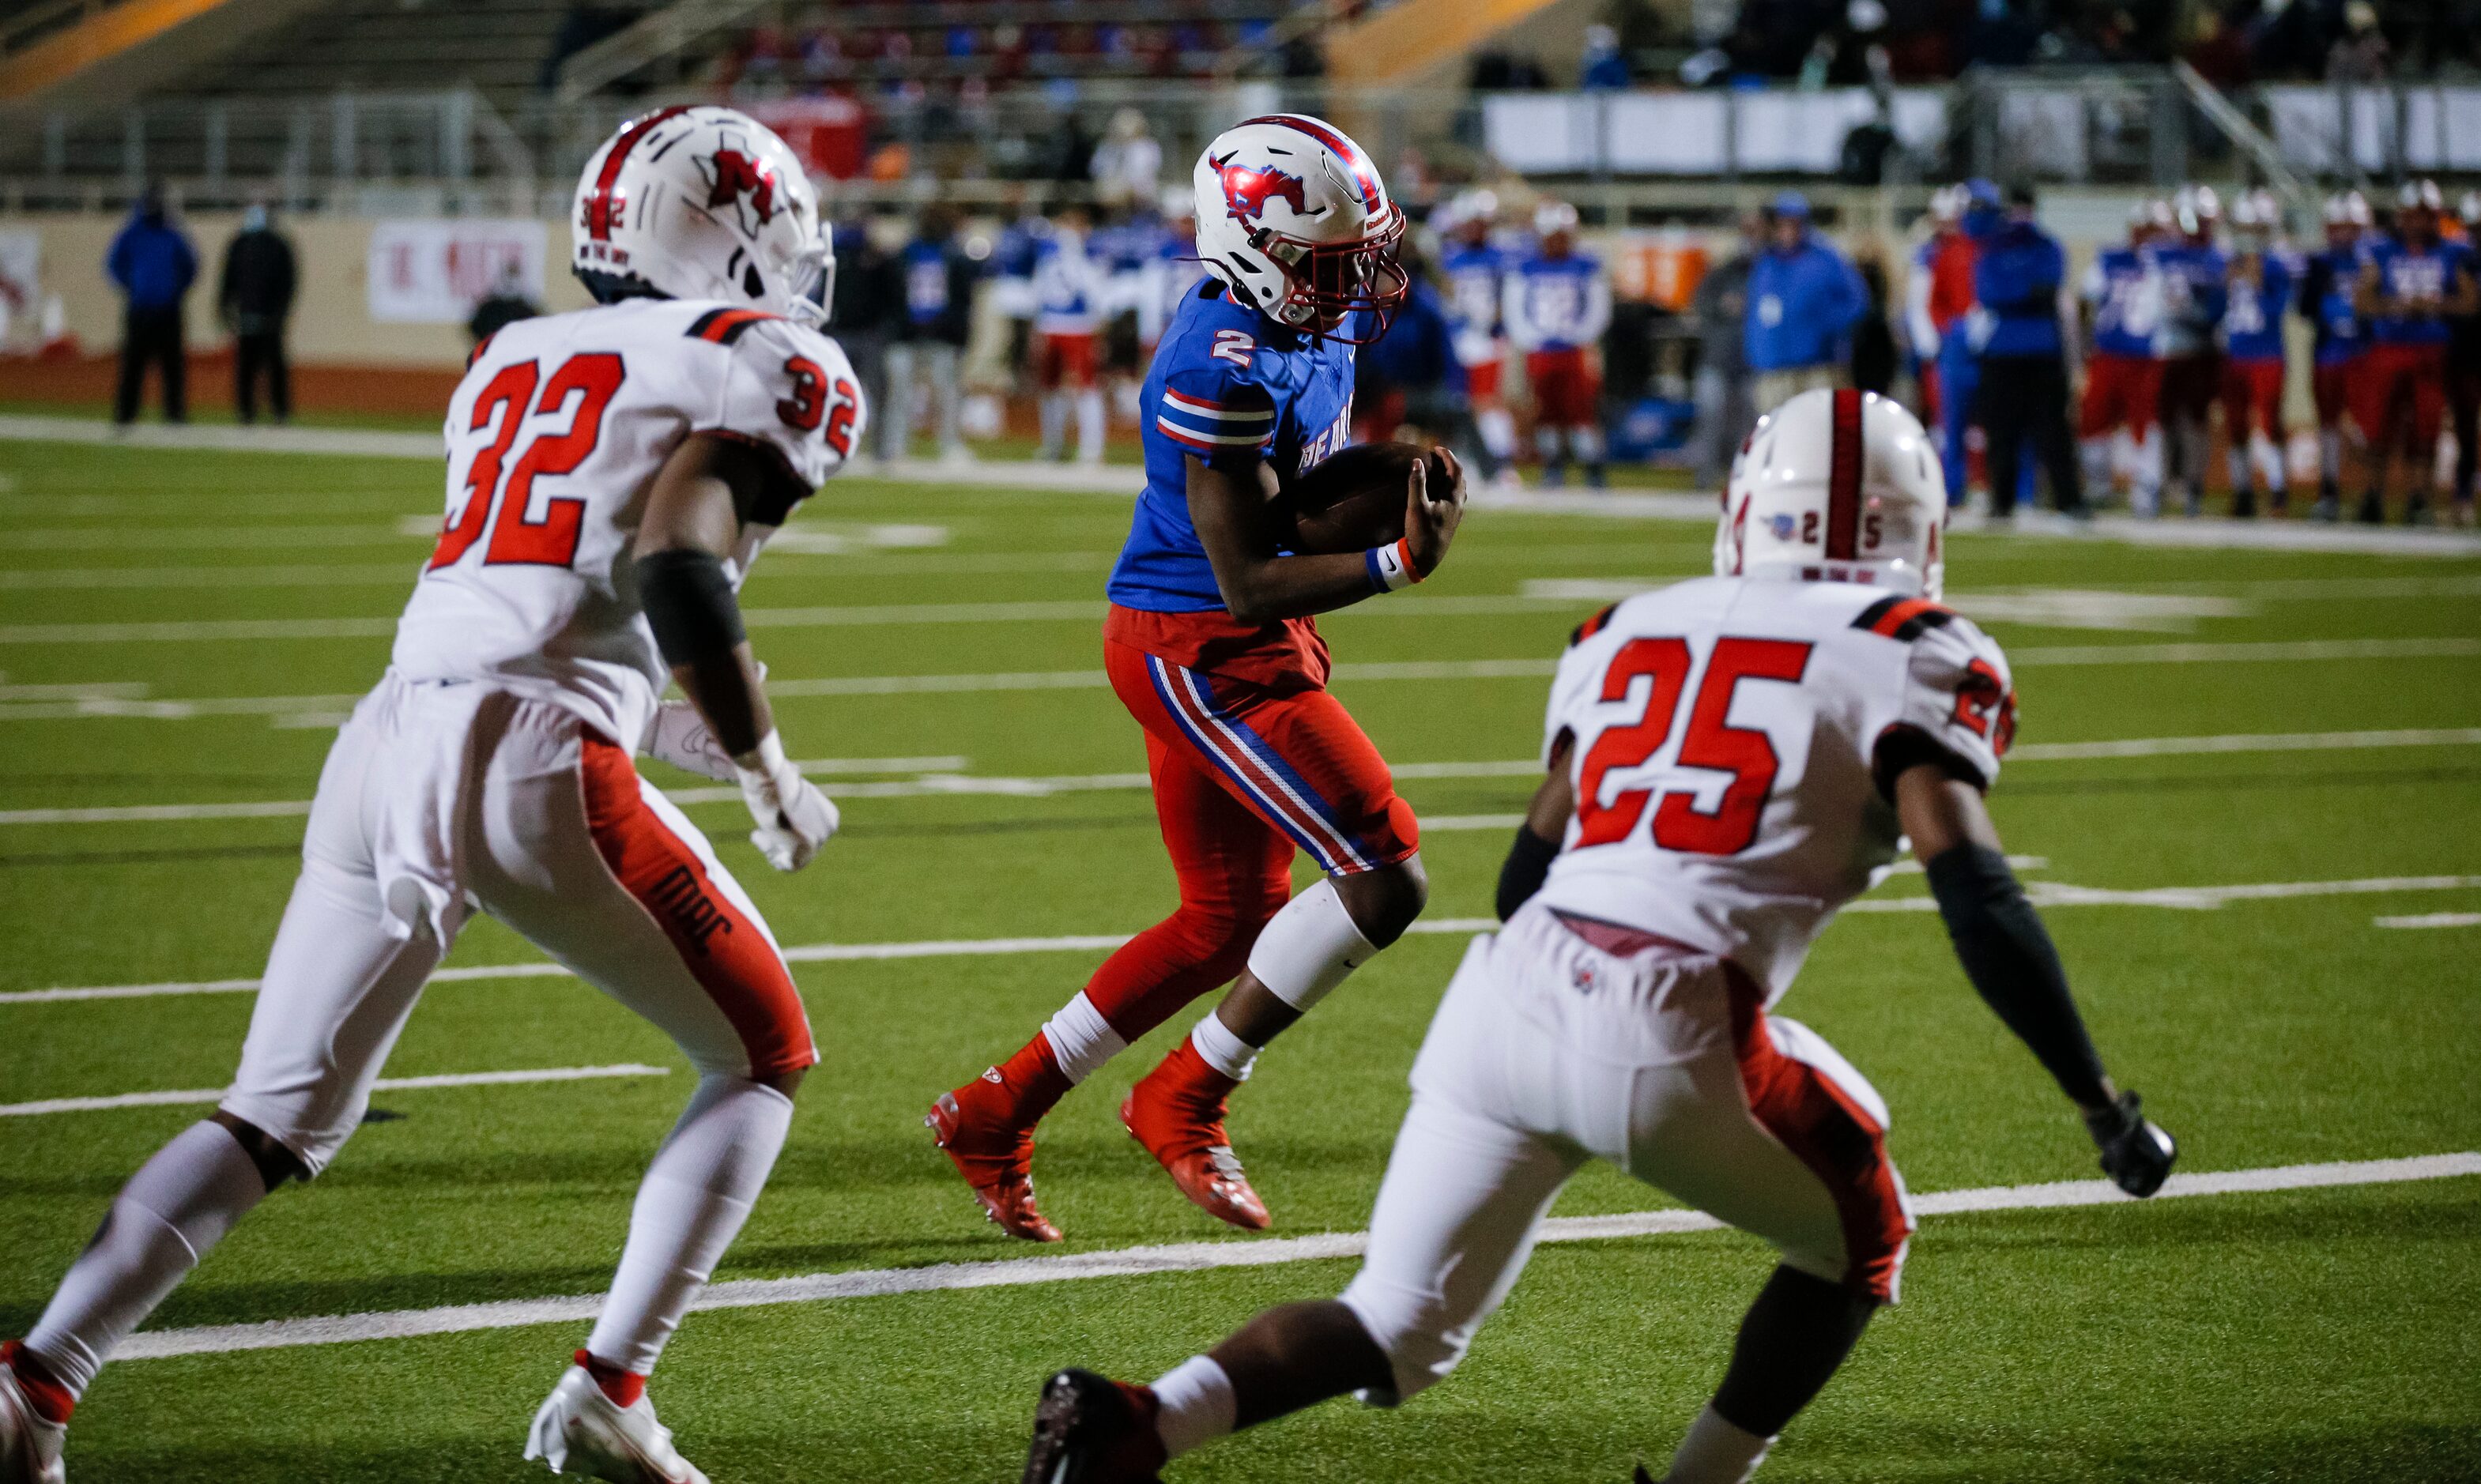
(1243, 774)
(2398, 381)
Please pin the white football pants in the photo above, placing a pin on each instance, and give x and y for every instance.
(1548, 1050)
(437, 798)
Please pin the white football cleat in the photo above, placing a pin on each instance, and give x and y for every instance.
(30, 1447)
(581, 1431)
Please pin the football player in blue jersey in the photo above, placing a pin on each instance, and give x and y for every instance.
(1210, 645)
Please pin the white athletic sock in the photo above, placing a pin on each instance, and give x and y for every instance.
(2101, 460)
(1089, 426)
(1546, 442)
(696, 1193)
(1589, 444)
(1498, 429)
(2329, 456)
(2148, 486)
(1308, 949)
(2267, 456)
(1081, 1039)
(1197, 1404)
(1055, 423)
(178, 1205)
(2235, 462)
(1716, 1452)
(1219, 1047)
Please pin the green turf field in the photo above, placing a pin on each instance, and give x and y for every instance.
(2293, 1335)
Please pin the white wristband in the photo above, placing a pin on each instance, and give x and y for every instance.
(1391, 566)
(764, 761)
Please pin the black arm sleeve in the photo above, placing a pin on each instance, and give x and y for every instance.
(690, 604)
(1529, 861)
(2009, 957)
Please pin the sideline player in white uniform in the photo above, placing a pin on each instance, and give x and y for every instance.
(611, 475)
(1731, 759)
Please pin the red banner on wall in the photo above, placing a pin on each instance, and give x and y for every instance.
(829, 134)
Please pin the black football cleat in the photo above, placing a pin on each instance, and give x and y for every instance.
(1090, 1430)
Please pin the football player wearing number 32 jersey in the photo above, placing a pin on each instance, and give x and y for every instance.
(1728, 761)
(612, 472)
(1210, 645)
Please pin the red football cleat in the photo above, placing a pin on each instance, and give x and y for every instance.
(1177, 1112)
(1090, 1430)
(981, 1136)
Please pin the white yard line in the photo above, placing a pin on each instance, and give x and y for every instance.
(2432, 919)
(2049, 894)
(1207, 1255)
(127, 699)
(936, 783)
(384, 1084)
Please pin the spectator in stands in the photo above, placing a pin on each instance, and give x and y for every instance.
(1804, 299)
(2359, 55)
(506, 305)
(152, 264)
(1557, 304)
(927, 341)
(1602, 69)
(1721, 305)
(2017, 323)
(1127, 166)
(254, 297)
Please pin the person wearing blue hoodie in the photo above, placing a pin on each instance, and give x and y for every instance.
(2017, 330)
(153, 265)
(1804, 299)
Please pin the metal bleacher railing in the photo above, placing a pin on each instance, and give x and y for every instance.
(1633, 155)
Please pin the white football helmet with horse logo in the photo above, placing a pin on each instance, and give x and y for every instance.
(702, 203)
(1293, 216)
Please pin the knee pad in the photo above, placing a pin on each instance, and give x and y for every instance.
(1309, 947)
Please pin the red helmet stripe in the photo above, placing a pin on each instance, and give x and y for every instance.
(1844, 480)
(1362, 174)
(599, 204)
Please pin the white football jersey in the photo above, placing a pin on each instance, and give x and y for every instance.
(1732, 743)
(554, 437)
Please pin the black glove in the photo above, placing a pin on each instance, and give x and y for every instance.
(2135, 1154)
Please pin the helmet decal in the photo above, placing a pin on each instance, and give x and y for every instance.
(1843, 478)
(605, 204)
(1364, 178)
(1247, 188)
(741, 183)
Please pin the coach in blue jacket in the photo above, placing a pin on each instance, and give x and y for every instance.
(2016, 330)
(153, 265)
(1804, 299)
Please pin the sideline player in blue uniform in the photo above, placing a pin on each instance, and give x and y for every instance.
(1210, 645)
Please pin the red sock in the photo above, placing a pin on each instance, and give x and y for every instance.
(623, 1387)
(1160, 971)
(52, 1401)
(1033, 1080)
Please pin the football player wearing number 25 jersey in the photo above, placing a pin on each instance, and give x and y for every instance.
(1728, 761)
(1210, 645)
(612, 472)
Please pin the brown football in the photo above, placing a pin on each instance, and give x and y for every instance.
(1353, 499)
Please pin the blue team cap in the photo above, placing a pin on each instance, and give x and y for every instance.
(1982, 194)
(1793, 205)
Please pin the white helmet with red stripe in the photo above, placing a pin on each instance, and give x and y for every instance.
(1293, 216)
(702, 203)
(1837, 487)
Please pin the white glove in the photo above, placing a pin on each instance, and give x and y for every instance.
(793, 818)
(679, 736)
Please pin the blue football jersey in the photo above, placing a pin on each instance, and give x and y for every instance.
(1233, 388)
(2253, 318)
